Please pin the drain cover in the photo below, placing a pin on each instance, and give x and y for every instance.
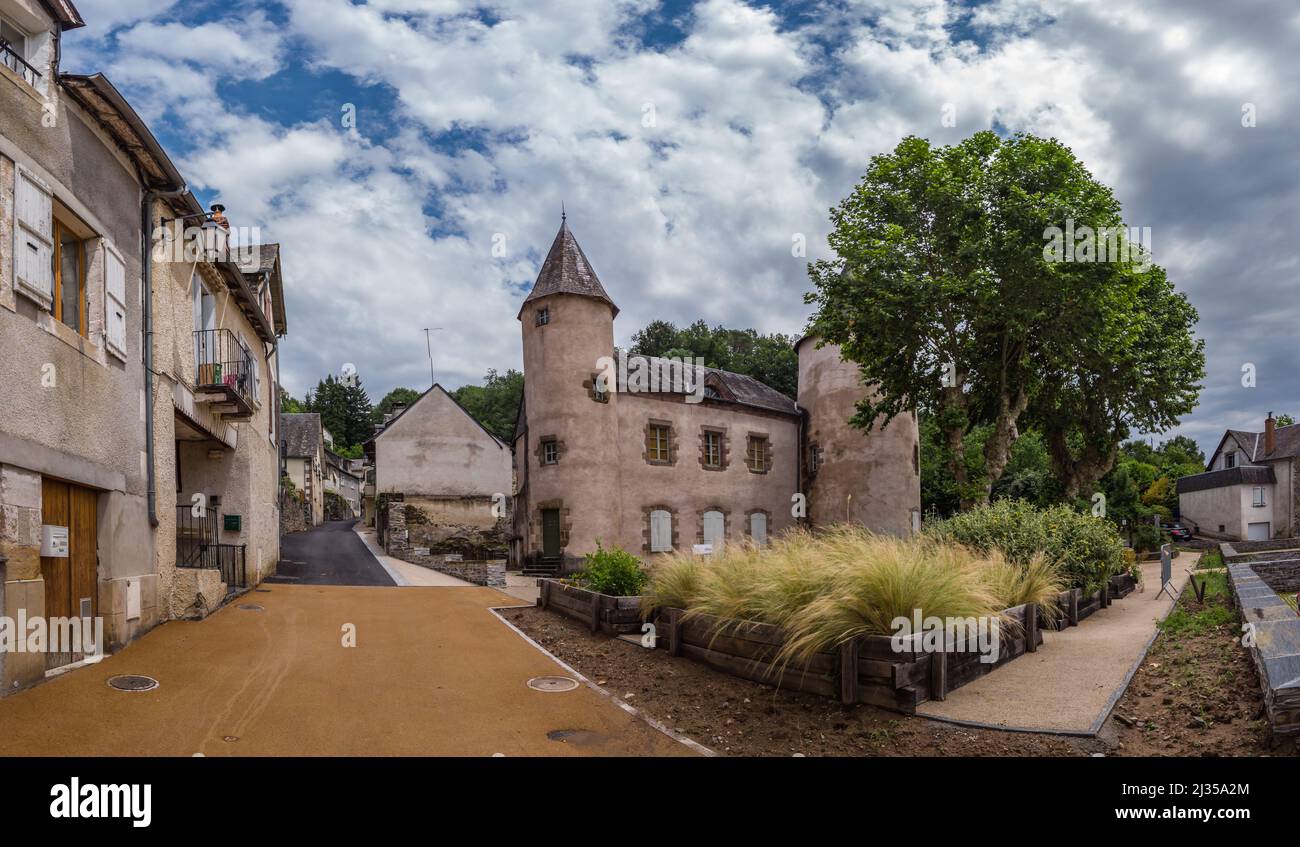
(132, 682)
(552, 683)
(252, 607)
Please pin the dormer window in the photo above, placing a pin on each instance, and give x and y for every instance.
(543, 316)
(1229, 460)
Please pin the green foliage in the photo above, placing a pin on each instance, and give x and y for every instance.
(614, 571)
(352, 451)
(1285, 420)
(1028, 474)
(396, 397)
(825, 588)
(289, 405)
(495, 403)
(1087, 549)
(1191, 618)
(940, 264)
(768, 358)
(344, 411)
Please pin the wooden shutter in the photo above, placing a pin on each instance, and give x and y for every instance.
(758, 528)
(34, 237)
(114, 303)
(661, 531)
(714, 529)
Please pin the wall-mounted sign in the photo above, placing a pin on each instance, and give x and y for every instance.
(232, 523)
(702, 549)
(54, 541)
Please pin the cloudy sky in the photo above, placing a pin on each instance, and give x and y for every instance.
(691, 143)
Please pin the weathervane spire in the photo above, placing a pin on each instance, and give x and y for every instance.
(563, 215)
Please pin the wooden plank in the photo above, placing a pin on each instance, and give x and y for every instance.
(674, 632)
(849, 671)
(1031, 628)
(824, 685)
(938, 676)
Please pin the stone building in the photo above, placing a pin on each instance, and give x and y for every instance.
(442, 485)
(109, 421)
(1250, 490)
(303, 450)
(654, 470)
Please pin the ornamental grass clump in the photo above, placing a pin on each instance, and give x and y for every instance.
(827, 587)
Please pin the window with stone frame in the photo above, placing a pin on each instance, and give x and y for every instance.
(550, 451)
(659, 443)
(814, 459)
(543, 316)
(599, 390)
(713, 449)
(758, 454)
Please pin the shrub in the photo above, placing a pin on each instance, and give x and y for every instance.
(1086, 550)
(614, 571)
(826, 588)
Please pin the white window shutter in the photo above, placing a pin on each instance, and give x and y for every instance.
(758, 528)
(34, 237)
(115, 303)
(661, 531)
(713, 529)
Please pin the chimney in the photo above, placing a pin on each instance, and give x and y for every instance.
(1270, 441)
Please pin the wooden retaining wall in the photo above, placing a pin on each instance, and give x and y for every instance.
(866, 669)
(602, 612)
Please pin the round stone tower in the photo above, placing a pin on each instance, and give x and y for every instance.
(872, 479)
(569, 486)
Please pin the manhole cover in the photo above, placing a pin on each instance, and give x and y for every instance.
(252, 607)
(552, 683)
(262, 590)
(132, 682)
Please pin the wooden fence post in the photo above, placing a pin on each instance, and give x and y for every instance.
(674, 632)
(1105, 594)
(595, 611)
(1074, 607)
(1031, 627)
(939, 675)
(849, 652)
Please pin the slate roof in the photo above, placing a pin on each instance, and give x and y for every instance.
(263, 258)
(301, 433)
(1240, 475)
(742, 389)
(1286, 443)
(567, 271)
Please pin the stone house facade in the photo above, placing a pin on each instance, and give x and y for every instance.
(98, 367)
(442, 485)
(1250, 490)
(303, 448)
(652, 471)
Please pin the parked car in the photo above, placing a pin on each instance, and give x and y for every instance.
(1177, 531)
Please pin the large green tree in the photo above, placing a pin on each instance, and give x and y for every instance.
(768, 358)
(396, 397)
(944, 294)
(344, 410)
(495, 403)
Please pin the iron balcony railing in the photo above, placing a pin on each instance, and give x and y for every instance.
(16, 63)
(197, 546)
(221, 361)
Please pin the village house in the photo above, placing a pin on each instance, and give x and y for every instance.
(109, 423)
(1250, 490)
(666, 469)
(218, 315)
(303, 446)
(343, 481)
(442, 485)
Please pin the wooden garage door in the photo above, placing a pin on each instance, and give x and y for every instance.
(70, 581)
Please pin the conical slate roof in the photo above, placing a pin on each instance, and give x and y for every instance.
(567, 271)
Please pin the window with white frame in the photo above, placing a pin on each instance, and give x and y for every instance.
(1229, 460)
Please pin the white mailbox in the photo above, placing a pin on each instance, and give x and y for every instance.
(54, 541)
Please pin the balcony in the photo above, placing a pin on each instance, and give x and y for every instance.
(13, 60)
(224, 374)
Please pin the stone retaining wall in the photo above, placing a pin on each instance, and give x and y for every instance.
(1274, 640)
(490, 572)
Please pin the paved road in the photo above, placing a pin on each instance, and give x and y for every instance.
(329, 554)
(432, 673)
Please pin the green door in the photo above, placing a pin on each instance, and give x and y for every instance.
(550, 533)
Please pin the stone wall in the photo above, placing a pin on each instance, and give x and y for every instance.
(294, 517)
(1274, 642)
(398, 544)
